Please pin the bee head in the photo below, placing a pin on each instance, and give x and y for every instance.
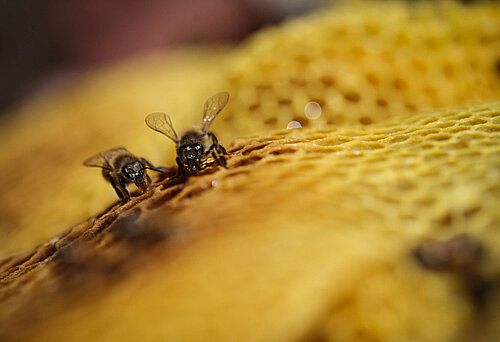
(135, 172)
(191, 154)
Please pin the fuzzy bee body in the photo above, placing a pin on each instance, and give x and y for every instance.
(120, 167)
(195, 143)
(194, 135)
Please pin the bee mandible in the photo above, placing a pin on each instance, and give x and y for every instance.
(195, 143)
(120, 167)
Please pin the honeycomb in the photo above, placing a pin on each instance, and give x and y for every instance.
(365, 62)
(311, 239)
(311, 233)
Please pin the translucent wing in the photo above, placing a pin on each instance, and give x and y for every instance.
(101, 159)
(213, 106)
(96, 161)
(162, 123)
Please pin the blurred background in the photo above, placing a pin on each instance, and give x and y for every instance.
(45, 44)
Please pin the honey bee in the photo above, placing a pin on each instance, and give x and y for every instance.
(195, 143)
(120, 167)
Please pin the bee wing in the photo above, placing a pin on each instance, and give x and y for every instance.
(96, 161)
(213, 106)
(101, 159)
(162, 123)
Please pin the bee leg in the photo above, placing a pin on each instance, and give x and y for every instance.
(220, 160)
(221, 150)
(147, 179)
(181, 170)
(180, 176)
(120, 189)
(216, 147)
(126, 195)
(215, 144)
(218, 157)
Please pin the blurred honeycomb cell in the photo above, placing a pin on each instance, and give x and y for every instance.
(364, 62)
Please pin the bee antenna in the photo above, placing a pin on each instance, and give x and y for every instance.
(159, 169)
